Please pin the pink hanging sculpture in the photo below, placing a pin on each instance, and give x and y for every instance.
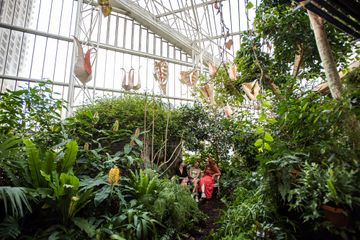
(232, 72)
(189, 78)
(229, 44)
(207, 90)
(227, 111)
(161, 71)
(82, 67)
(251, 89)
(212, 69)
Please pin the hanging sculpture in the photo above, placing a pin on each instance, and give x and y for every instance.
(189, 78)
(212, 69)
(82, 67)
(105, 7)
(229, 44)
(251, 89)
(130, 80)
(161, 72)
(207, 90)
(232, 72)
(227, 111)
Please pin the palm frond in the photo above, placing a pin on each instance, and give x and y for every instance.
(9, 228)
(15, 198)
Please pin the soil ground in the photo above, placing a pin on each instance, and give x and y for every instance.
(212, 209)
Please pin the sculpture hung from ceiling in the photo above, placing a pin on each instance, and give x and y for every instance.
(130, 80)
(251, 89)
(82, 67)
(161, 74)
(207, 90)
(189, 77)
(105, 7)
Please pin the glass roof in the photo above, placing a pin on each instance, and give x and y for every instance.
(200, 20)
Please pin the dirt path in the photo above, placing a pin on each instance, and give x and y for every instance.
(212, 209)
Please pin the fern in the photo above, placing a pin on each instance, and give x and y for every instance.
(70, 156)
(16, 197)
(33, 162)
(9, 228)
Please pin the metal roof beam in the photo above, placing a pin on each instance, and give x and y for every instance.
(149, 21)
(187, 8)
(220, 36)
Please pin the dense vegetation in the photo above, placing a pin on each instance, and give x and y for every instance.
(290, 168)
(83, 178)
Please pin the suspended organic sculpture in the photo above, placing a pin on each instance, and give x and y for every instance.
(229, 44)
(82, 67)
(161, 71)
(130, 80)
(227, 111)
(138, 85)
(232, 72)
(207, 91)
(189, 77)
(212, 69)
(105, 7)
(251, 89)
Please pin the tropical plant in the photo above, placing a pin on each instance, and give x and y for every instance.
(9, 228)
(14, 198)
(32, 112)
(9, 159)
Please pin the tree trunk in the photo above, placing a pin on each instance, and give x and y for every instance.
(352, 125)
(331, 73)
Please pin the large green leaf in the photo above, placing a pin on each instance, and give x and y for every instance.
(70, 156)
(34, 162)
(86, 226)
(102, 194)
(259, 142)
(69, 182)
(268, 137)
(249, 5)
(48, 164)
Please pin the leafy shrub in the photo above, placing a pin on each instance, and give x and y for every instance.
(94, 124)
(33, 113)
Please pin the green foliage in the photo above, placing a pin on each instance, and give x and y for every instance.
(143, 187)
(138, 223)
(250, 213)
(249, 57)
(283, 172)
(69, 157)
(126, 113)
(9, 163)
(88, 225)
(32, 112)
(352, 81)
(175, 206)
(9, 228)
(15, 198)
(34, 163)
(206, 130)
(290, 32)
